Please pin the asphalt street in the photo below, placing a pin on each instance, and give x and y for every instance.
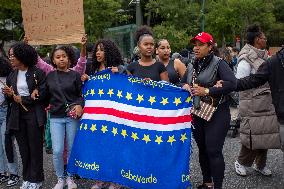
(232, 180)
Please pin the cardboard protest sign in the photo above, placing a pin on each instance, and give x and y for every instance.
(49, 22)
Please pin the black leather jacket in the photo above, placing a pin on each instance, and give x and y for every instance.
(209, 70)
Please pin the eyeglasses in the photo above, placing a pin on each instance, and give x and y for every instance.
(11, 56)
(264, 38)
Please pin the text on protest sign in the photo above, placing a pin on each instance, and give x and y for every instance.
(49, 22)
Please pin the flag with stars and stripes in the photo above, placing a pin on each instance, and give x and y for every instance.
(134, 132)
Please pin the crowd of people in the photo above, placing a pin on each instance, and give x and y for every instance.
(40, 99)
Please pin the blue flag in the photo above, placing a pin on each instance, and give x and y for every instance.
(133, 132)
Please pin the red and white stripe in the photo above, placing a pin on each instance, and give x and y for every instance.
(137, 117)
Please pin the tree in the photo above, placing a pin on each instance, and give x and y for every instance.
(178, 20)
(227, 18)
(102, 14)
(10, 21)
(276, 31)
(178, 39)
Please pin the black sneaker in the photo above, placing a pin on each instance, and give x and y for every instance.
(3, 178)
(204, 186)
(13, 180)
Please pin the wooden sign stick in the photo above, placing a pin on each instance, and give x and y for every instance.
(15, 95)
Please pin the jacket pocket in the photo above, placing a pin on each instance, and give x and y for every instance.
(262, 101)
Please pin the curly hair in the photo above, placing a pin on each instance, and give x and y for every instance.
(112, 54)
(143, 31)
(68, 50)
(225, 54)
(253, 31)
(25, 53)
(5, 66)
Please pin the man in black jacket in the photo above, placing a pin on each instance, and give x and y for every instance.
(272, 71)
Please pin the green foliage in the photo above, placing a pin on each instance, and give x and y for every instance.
(182, 14)
(179, 20)
(226, 19)
(10, 20)
(100, 15)
(175, 20)
(178, 39)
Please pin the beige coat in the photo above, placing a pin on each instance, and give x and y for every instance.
(259, 126)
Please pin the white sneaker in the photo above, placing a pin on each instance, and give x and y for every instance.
(114, 186)
(265, 171)
(35, 185)
(25, 185)
(60, 184)
(240, 169)
(98, 185)
(70, 183)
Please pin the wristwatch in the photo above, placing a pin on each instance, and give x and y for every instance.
(206, 90)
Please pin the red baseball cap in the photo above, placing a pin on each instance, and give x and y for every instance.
(203, 37)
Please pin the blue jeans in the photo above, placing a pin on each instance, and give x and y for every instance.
(11, 168)
(59, 129)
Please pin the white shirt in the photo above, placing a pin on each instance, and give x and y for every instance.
(2, 97)
(22, 85)
(244, 69)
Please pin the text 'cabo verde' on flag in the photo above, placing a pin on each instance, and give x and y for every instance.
(134, 132)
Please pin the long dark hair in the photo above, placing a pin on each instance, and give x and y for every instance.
(112, 54)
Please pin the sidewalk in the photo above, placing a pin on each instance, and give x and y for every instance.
(232, 180)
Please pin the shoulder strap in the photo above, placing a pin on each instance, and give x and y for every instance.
(190, 73)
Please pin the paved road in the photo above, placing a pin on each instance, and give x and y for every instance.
(232, 181)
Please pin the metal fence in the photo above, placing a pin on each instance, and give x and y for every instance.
(123, 36)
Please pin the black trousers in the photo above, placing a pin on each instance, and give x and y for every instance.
(210, 137)
(29, 139)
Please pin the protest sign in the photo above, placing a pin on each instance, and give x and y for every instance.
(53, 21)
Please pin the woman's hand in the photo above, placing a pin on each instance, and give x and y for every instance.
(26, 39)
(198, 91)
(114, 69)
(35, 94)
(219, 84)
(85, 77)
(187, 87)
(78, 110)
(84, 40)
(8, 91)
(146, 79)
(17, 99)
(83, 52)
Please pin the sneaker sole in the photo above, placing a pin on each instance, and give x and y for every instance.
(10, 185)
(1, 182)
(263, 174)
(241, 174)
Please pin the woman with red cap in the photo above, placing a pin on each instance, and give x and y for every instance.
(210, 135)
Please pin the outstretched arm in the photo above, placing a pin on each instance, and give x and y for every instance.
(81, 64)
(255, 80)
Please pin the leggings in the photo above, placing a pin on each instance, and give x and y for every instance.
(210, 137)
